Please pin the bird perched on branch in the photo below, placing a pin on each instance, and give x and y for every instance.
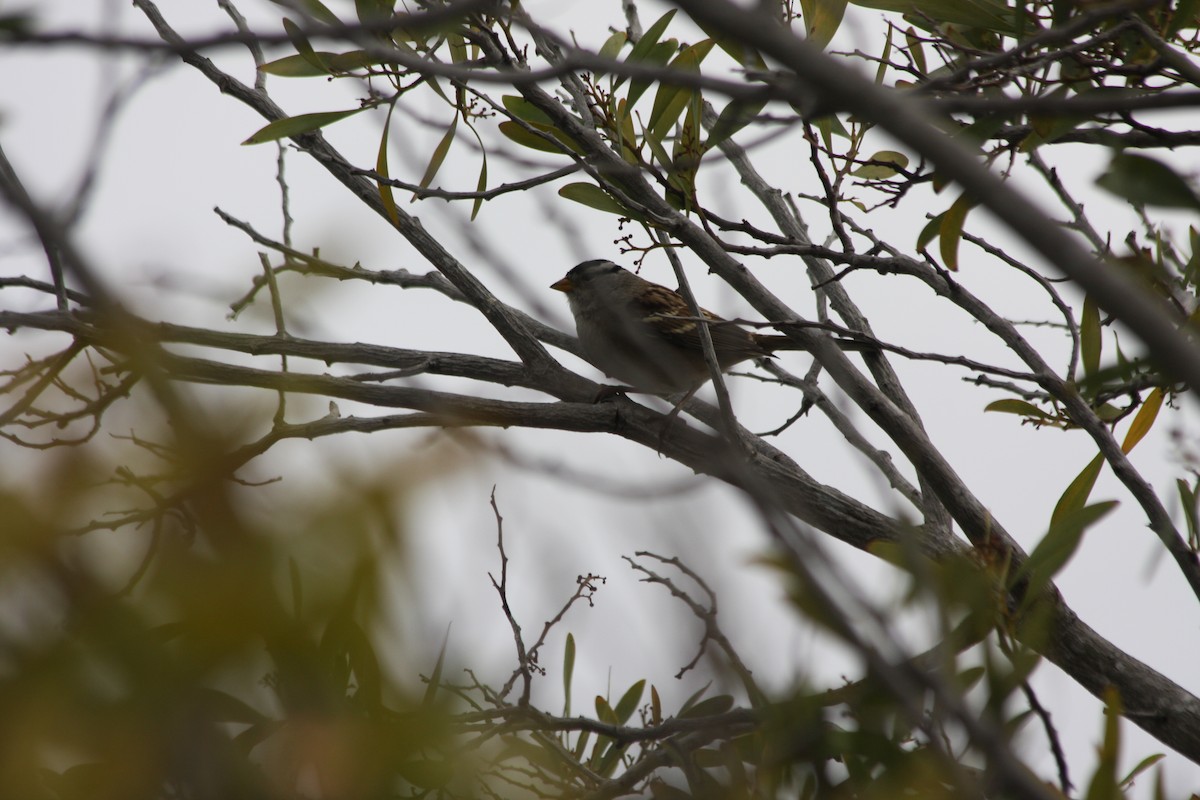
(646, 335)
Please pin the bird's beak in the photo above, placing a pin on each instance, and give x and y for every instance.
(562, 285)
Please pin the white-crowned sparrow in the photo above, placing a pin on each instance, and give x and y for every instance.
(643, 333)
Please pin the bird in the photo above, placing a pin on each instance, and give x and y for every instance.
(644, 334)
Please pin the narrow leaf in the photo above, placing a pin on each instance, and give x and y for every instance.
(1012, 405)
(439, 155)
(1143, 421)
(297, 125)
(568, 672)
(951, 229)
(314, 8)
(480, 185)
(381, 166)
(1090, 341)
(301, 43)
(593, 196)
(629, 702)
(671, 100)
(1077, 493)
(527, 138)
(1059, 544)
(735, 116)
(648, 41)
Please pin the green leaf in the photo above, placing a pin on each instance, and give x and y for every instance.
(821, 19)
(1143, 765)
(439, 155)
(735, 116)
(300, 42)
(568, 672)
(888, 163)
(641, 51)
(717, 704)
(604, 713)
(1145, 181)
(950, 231)
(299, 66)
(612, 46)
(1190, 502)
(1059, 544)
(371, 12)
(480, 185)
(1143, 421)
(1090, 341)
(916, 51)
(1011, 405)
(1077, 493)
(630, 701)
(659, 55)
(313, 8)
(381, 166)
(591, 195)
(298, 125)
(1103, 785)
(930, 231)
(672, 99)
(527, 138)
(987, 14)
(522, 109)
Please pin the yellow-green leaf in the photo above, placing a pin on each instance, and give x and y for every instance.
(881, 165)
(733, 118)
(568, 672)
(1077, 493)
(480, 186)
(298, 66)
(658, 56)
(297, 125)
(314, 8)
(987, 14)
(1090, 341)
(527, 138)
(672, 99)
(439, 155)
(1011, 405)
(300, 42)
(951, 229)
(1059, 544)
(381, 166)
(821, 19)
(629, 702)
(649, 41)
(1143, 421)
(591, 195)
(612, 46)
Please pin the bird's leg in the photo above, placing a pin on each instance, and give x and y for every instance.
(670, 420)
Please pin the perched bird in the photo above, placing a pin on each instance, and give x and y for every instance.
(645, 334)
